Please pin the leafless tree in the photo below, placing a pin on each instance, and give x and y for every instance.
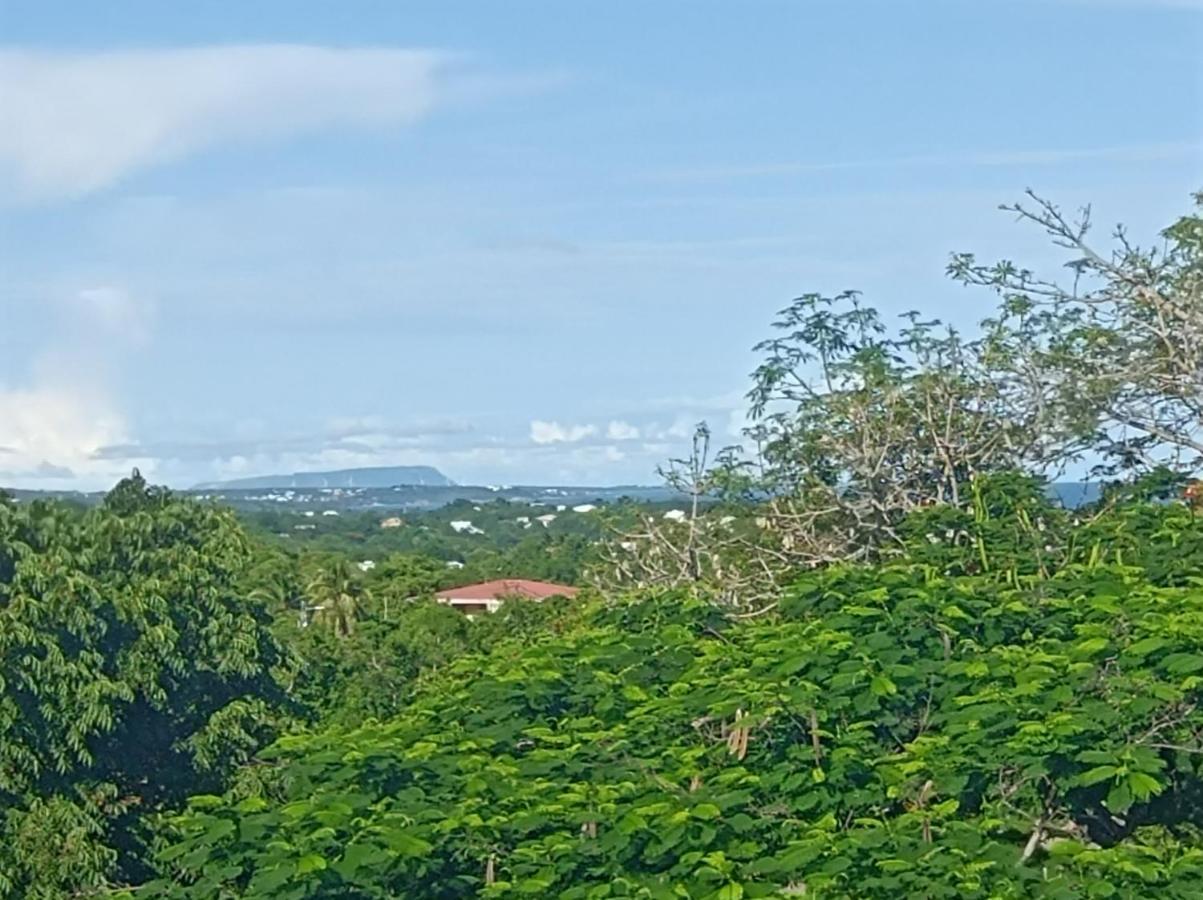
(1114, 350)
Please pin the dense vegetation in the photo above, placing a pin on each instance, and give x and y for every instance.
(505, 537)
(956, 727)
(132, 672)
(872, 659)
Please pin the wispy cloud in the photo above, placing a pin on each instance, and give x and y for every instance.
(72, 123)
(1131, 153)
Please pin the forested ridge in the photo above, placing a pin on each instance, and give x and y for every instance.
(871, 658)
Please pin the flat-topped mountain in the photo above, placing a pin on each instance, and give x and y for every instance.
(371, 477)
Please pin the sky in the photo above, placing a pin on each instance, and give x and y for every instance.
(524, 242)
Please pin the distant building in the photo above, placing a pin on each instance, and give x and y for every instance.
(392, 522)
(465, 526)
(584, 508)
(473, 599)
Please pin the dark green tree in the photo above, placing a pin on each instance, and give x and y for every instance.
(133, 671)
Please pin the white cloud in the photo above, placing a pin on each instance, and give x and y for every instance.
(51, 432)
(57, 417)
(554, 433)
(622, 431)
(71, 123)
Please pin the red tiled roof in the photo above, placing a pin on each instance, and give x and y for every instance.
(508, 587)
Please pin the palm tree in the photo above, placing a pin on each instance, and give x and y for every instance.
(335, 595)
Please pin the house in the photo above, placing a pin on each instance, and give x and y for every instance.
(392, 522)
(487, 596)
(465, 526)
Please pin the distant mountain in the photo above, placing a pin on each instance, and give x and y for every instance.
(374, 477)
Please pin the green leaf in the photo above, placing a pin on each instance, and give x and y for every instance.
(1090, 647)
(1119, 798)
(1144, 786)
(205, 801)
(310, 862)
(1146, 646)
(882, 686)
(1183, 663)
(405, 844)
(356, 856)
(1097, 774)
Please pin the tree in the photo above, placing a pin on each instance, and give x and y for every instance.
(401, 577)
(335, 595)
(714, 545)
(133, 671)
(372, 672)
(857, 425)
(1115, 352)
(886, 732)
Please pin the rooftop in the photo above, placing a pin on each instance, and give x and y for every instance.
(507, 587)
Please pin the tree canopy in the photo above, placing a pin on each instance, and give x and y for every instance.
(131, 672)
(893, 730)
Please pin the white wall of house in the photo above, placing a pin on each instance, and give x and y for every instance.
(491, 604)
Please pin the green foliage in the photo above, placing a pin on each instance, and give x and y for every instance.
(1009, 528)
(132, 672)
(372, 672)
(893, 732)
(514, 544)
(334, 596)
(403, 576)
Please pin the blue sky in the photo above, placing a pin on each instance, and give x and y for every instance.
(524, 242)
